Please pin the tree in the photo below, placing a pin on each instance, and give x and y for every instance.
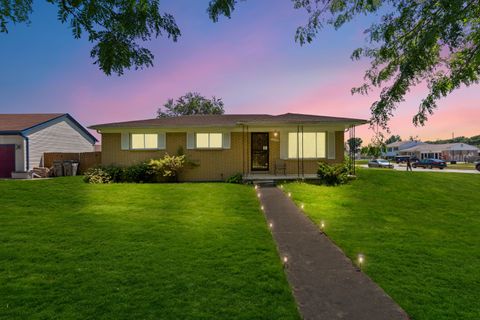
(190, 104)
(372, 150)
(393, 138)
(354, 144)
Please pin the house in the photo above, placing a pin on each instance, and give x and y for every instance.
(445, 151)
(393, 149)
(223, 145)
(24, 138)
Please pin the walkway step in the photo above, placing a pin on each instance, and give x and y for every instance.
(264, 183)
(325, 283)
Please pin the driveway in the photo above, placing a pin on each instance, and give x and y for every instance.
(403, 168)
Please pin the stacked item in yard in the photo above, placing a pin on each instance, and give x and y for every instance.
(40, 172)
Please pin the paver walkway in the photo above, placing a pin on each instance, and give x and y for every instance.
(325, 283)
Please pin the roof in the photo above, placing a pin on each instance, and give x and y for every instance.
(20, 123)
(430, 147)
(228, 120)
(401, 143)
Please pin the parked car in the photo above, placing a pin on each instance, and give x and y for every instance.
(380, 163)
(477, 165)
(430, 164)
(401, 159)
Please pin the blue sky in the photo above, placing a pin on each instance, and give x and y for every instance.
(250, 61)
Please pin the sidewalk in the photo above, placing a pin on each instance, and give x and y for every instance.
(325, 283)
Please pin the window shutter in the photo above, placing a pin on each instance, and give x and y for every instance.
(226, 140)
(331, 144)
(190, 140)
(125, 145)
(162, 143)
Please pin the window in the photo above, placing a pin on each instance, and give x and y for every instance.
(208, 140)
(144, 141)
(309, 145)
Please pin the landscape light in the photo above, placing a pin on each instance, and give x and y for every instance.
(302, 206)
(322, 225)
(262, 207)
(361, 260)
(270, 225)
(285, 259)
(281, 186)
(258, 195)
(256, 187)
(289, 194)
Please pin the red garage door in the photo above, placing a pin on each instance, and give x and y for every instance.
(7, 160)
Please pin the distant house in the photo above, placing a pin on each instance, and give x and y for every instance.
(393, 149)
(223, 145)
(24, 138)
(446, 151)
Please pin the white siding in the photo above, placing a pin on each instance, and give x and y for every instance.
(19, 152)
(58, 137)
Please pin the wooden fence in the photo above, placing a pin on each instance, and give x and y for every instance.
(86, 159)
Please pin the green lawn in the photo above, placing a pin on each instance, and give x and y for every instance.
(458, 166)
(70, 250)
(420, 233)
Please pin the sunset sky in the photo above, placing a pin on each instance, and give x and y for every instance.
(250, 61)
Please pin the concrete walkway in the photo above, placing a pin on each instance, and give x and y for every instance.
(325, 283)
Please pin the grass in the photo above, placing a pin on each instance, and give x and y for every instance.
(420, 233)
(137, 251)
(361, 161)
(459, 166)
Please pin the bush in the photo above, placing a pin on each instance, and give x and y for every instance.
(138, 173)
(117, 174)
(333, 175)
(97, 176)
(236, 178)
(168, 167)
(152, 171)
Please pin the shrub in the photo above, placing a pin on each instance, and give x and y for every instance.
(236, 178)
(168, 167)
(117, 174)
(152, 171)
(138, 173)
(97, 176)
(333, 175)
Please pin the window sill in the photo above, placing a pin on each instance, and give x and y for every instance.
(324, 158)
(146, 149)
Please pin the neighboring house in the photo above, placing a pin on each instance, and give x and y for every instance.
(393, 149)
(446, 151)
(223, 145)
(24, 138)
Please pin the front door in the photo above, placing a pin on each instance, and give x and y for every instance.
(7, 160)
(259, 151)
